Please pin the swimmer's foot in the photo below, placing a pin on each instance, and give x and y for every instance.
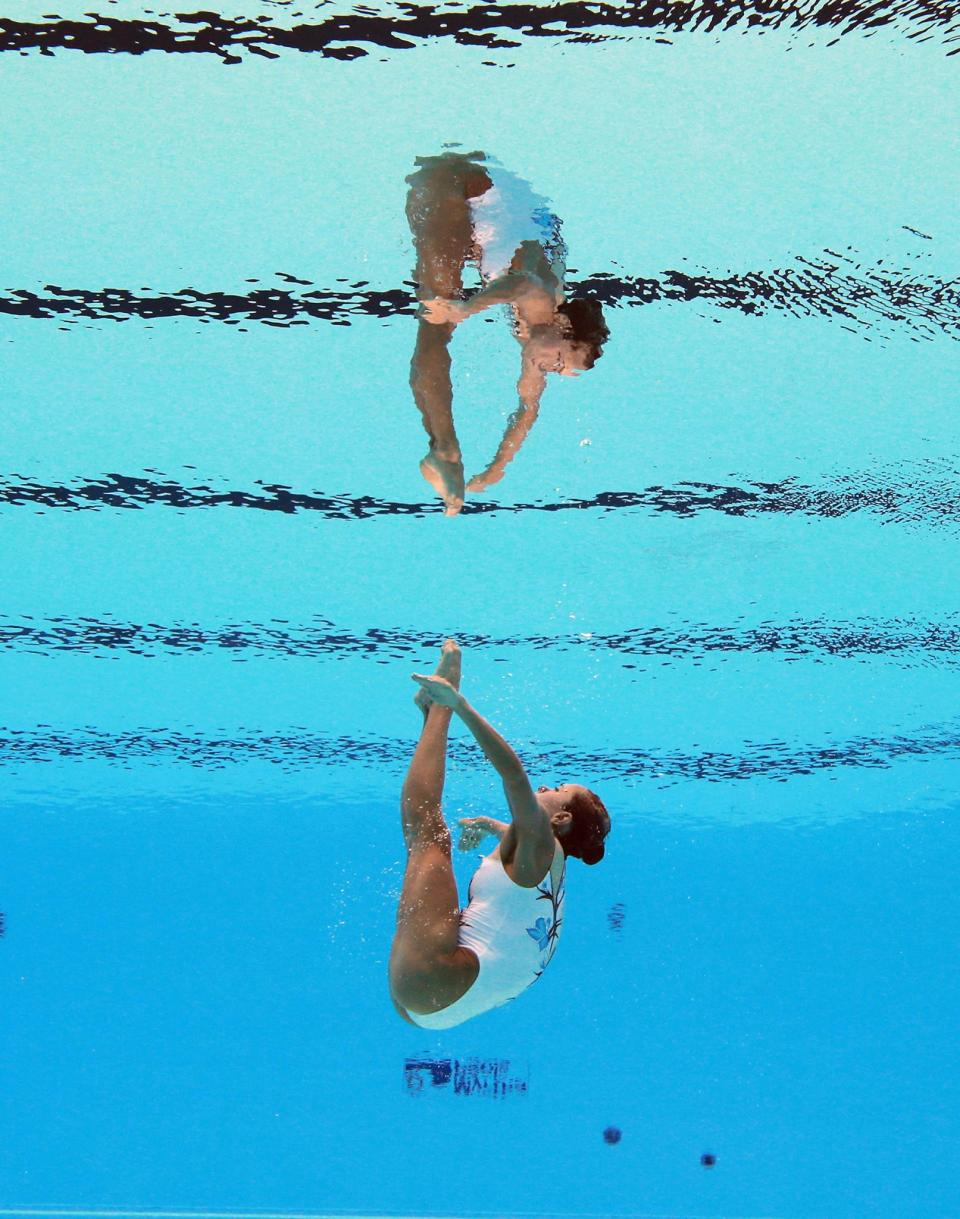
(449, 667)
(450, 663)
(445, 475)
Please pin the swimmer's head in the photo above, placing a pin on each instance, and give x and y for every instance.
(579, 819)
(573, 342)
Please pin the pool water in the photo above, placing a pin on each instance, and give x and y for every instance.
(718, 583)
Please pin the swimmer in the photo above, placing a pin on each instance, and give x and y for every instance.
(448, 965)
(466, 208)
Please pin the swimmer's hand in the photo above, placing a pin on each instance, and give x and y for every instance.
(475, 829)
(441, 312)
(439, 690)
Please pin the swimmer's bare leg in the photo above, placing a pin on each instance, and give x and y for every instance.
(422, 795)
(428, 968)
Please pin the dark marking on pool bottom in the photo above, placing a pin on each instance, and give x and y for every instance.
(3, 924)
(612, 1134)
(841, 287)
(708, 1159)
(490, 1077)
(923, 493)
(298, 749)
(355, 33)
(616, 915)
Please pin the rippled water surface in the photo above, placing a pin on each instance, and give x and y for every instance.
(718, 583)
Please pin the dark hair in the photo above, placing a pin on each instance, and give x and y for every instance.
(586, 321)
(591, 825)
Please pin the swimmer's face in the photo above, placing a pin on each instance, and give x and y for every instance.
(555, 801)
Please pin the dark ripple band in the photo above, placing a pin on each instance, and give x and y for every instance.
(865, 298)
(925, 494)
(909, 642)
(352, 34)
(298, 749)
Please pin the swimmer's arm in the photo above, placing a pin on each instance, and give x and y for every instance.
(499, 754)
(531, 822)
(473, 830)
(528, 817)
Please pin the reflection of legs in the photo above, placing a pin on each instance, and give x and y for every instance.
(440, 222)
(433, 392)
(432, 388)
(428, 970)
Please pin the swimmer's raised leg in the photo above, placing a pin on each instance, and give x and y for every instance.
(428, 968)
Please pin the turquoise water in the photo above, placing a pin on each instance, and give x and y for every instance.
(718, 584)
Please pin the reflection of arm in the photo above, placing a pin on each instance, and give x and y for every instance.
(500, 291)
(530, 388)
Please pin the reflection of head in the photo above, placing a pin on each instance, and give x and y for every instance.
(591, 825)
(588, 329)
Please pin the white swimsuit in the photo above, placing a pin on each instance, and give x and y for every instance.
(508, 214)
(514, 932)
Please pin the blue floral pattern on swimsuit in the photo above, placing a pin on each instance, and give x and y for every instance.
(546, 930)
(540, 932)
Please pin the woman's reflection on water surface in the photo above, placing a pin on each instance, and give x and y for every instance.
(466, 208)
